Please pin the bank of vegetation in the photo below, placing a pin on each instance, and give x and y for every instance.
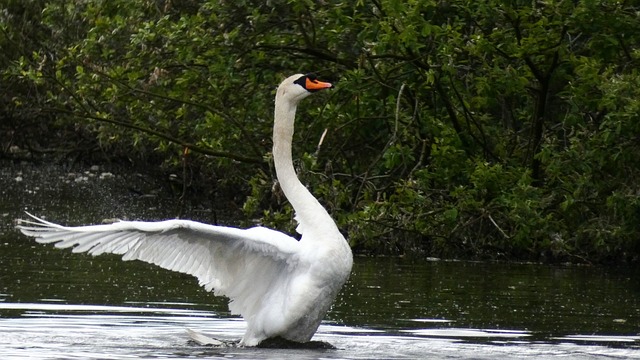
(458, 129)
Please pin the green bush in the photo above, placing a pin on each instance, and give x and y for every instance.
(474, 129)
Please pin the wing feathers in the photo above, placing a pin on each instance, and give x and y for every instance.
(88, 242)
(234, 262)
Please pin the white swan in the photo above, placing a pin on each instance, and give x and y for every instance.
(281, 286)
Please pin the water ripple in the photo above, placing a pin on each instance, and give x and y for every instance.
(72, 331)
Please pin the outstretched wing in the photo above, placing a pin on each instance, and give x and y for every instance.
(237, 263)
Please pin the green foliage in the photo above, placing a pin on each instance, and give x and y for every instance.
(478, 129)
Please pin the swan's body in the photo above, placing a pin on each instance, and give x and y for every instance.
(282, 287)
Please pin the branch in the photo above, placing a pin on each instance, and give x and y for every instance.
(469, 115)
(164, 136)
(182, 101)
(318, 53)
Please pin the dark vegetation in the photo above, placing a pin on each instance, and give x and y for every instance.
(467, 129)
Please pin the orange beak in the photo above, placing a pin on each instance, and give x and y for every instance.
(317, 85)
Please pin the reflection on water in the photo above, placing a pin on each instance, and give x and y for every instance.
(544, 300)
(54, 304)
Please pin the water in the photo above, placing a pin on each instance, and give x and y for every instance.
(58, 305)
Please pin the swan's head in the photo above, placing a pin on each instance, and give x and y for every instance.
(297, 87)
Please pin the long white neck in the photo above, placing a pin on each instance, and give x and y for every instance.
(309, 213)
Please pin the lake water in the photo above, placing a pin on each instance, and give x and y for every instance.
(58, 305)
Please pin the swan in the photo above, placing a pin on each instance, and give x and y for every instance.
(281, 286)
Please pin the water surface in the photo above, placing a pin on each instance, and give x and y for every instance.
(54, 304)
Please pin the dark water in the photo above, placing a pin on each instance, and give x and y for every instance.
(55, 305)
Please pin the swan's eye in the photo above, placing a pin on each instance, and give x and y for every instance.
(302, 81)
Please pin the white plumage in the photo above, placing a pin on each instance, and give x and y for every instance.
(281, 286)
